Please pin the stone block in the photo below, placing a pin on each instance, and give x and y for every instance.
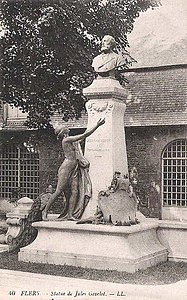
(96, 246)
(172, 235)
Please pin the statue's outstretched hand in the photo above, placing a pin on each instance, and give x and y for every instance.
(100, 122)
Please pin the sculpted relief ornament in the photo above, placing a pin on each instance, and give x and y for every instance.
(118, 203)
(94, 107)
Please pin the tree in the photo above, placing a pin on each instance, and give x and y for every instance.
(48, 47)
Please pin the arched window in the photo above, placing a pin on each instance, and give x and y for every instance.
(19, 171)
(174, 174)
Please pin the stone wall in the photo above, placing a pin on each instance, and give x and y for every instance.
(144, 151)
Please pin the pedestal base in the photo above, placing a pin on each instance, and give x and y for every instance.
(96, 246)
(4, 248)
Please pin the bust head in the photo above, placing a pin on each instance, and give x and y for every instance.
(108, 61)
(107, 44)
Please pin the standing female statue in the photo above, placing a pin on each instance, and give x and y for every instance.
(73, 172)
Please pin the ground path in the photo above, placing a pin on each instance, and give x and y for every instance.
(47, 287)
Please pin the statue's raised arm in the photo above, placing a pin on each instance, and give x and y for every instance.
(106, 62)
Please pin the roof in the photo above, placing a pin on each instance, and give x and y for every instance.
(158, 96)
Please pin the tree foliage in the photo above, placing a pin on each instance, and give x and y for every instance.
(48, 47)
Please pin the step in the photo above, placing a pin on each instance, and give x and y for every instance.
(121, 248)
(3, 248)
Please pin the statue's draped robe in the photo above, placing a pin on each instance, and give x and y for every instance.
(84, 184)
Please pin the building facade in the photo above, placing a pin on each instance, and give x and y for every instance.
(156, 136)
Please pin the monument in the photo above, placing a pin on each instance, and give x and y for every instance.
(122, 248)
(105, 149)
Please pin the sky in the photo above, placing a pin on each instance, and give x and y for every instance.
(160, 36)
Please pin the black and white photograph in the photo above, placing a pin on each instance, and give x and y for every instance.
(93, 150)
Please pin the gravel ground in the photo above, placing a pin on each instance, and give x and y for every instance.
(164, 273)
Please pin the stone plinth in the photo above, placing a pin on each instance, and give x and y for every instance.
(106, 147)
(22, 209)
(96, 246)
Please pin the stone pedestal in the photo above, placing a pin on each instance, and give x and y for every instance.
(106, 147)
(119, 248)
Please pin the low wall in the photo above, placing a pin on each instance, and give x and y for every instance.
(174, 213)
(173, 236)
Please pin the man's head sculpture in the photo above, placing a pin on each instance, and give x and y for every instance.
(108, 43)
(108, 61)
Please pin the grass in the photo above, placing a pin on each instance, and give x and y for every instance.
(163, 273)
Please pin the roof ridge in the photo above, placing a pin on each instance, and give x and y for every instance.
(156, 68)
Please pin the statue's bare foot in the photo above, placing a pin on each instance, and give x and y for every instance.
(61, 218)
(72, 219)
(44, 216)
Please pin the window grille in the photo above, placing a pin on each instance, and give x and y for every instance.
(14, 112)
(19, 171)
(174, 174)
